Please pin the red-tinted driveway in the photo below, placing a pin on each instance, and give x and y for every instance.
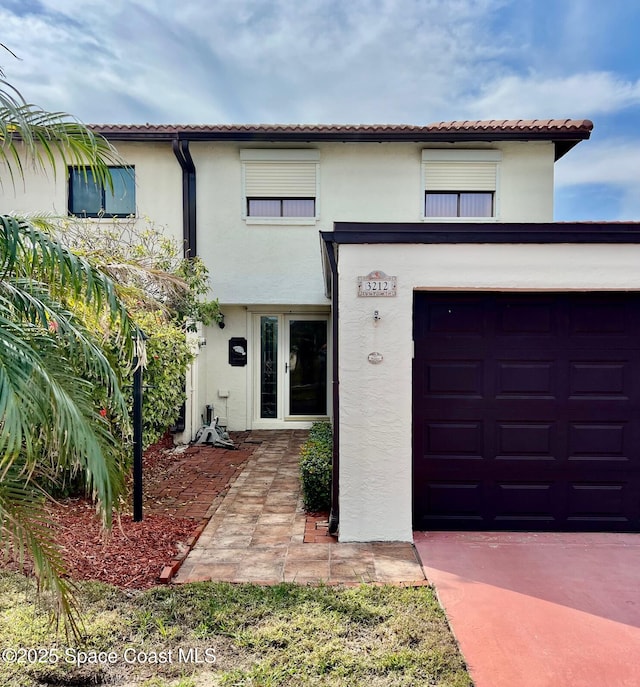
(540, 610)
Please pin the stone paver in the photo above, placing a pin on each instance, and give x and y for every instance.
(257, 532)
(194, 483)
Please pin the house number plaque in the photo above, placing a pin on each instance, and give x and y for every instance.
(377, 284)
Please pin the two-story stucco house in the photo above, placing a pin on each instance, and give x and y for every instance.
(481, 363)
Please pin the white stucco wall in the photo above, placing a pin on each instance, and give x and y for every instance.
(375, 400)
(218, 378)
(249, 263)
(158, 188)
(278, 267)
(254, 263)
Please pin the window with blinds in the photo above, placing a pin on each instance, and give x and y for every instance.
(460, 183)
(280, 183)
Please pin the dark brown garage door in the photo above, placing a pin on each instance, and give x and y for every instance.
(526, 411)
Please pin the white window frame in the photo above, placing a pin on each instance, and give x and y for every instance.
(282, 421)
(280, 157)
(461, 156)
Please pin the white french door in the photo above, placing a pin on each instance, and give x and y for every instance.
(291, 374)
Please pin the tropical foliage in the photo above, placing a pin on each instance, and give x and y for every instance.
(165, 296)
(316, 467)
(30, 136)
(168, 357)
(148, 267)
(48, 420)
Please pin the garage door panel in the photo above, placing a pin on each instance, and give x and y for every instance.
(453, 440)
(600, 318)
(462, 318)
(598, 441)
(530, 318)
(455, 499)
(526, 441)
(601, 501)
(454, 378)
(601, 378)
(524, 501)
(538, 418)
(526, 378)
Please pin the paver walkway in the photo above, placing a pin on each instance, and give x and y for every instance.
(257, 532)
(193, 483)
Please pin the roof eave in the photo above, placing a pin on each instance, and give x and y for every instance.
(563, 140)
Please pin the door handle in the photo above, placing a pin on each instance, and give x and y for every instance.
(286, 368)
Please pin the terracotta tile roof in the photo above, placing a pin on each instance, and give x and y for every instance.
(528, 125)
(565, 133)
(539, 126)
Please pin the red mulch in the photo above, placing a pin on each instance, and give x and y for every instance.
(131, 555)
(179, 489)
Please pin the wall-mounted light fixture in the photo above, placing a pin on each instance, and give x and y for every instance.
(221, 323)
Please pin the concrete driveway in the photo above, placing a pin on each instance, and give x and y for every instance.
(540, 610)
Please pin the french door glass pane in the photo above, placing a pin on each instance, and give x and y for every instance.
(307, 367)
(268, 367)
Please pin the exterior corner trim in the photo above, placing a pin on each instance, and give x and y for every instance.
(330, 248)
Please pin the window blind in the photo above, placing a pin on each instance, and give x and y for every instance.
(460, 176)
(280, 179)
(460, 170)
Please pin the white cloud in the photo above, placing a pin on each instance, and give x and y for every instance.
(411, 61)
(577, 95)
(255, 60)
(606, 164)
(361, 61)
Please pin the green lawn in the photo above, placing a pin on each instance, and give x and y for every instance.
(211, 634)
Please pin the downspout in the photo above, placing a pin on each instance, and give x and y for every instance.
(334, 516)
(181, 151)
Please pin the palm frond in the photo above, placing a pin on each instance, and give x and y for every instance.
(41, 396)
(25, 532)
(47, 416)
(47, 140)
(31, 253)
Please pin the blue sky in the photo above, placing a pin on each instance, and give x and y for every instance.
(349, 61)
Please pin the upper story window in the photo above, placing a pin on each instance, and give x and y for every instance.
(452, 204)
(280, 186)
(281, 207)
(90, 198)
(460, 183)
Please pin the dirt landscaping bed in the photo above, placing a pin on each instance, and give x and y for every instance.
(180, 485)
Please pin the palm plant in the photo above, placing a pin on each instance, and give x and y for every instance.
(47, 140)
(48, 421)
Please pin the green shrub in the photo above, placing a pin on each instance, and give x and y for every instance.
(315, 467)
(168, 357)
